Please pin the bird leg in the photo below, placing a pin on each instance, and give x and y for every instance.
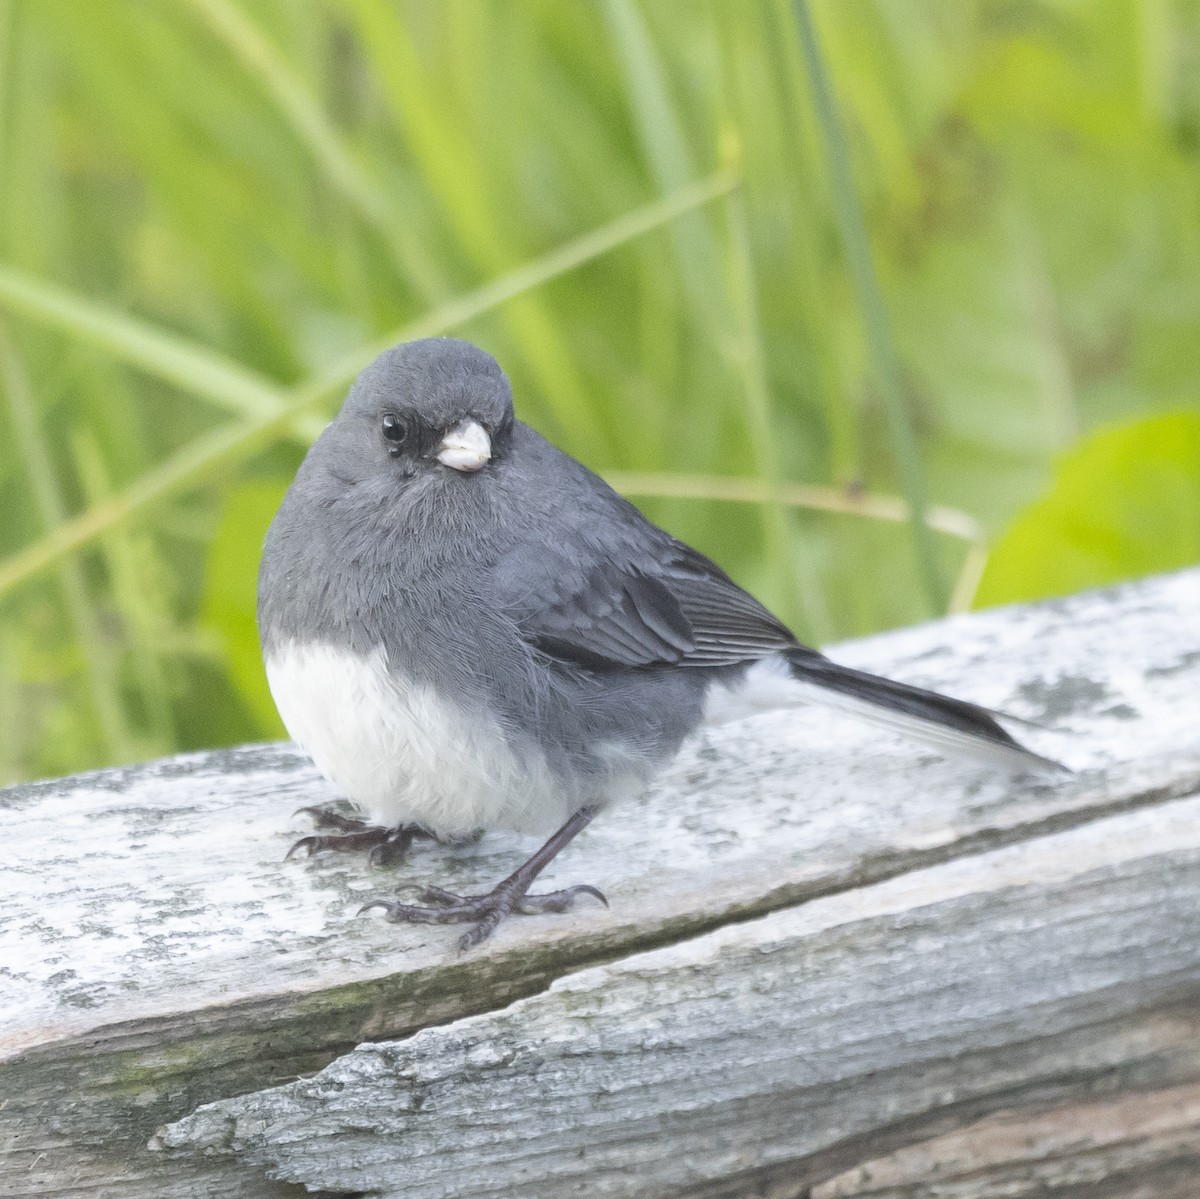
(386, 845)
(507, 896)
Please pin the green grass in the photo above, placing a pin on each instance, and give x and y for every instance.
(838, 291)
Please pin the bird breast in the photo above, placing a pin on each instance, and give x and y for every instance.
(402, 752)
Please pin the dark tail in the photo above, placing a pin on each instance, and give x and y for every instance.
(949, 724)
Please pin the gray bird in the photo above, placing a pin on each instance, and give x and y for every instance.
(467, 630)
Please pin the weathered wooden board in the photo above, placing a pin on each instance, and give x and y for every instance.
(156, 953)
(980, 986)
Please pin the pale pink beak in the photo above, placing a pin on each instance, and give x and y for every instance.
(466, 447)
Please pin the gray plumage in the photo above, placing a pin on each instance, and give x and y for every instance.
(518, 594)
(465, 579)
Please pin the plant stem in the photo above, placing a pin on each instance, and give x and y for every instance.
(195, 462)
(885, 364)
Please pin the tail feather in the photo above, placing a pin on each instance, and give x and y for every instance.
(945, 723)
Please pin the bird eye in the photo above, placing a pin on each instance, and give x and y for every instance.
(395, 431)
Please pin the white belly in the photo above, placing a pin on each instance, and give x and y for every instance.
(403, 753)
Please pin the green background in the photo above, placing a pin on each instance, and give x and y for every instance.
(977, 286)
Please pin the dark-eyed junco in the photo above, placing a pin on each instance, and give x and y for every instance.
(467, 630)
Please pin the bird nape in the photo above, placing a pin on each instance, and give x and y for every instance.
(466, 629)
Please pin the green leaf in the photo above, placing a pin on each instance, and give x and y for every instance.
(1125, 502)
(228, 607)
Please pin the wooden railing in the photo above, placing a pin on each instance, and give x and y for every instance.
(834, 966)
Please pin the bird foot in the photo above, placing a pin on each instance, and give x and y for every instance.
(386, 846)
(485, 911)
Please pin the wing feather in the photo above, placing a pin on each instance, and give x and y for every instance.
(666, 605)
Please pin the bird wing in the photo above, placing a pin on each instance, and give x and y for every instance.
(609, 590)
(623, 605)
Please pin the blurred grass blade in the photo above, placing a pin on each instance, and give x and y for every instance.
(419, 107)
(442, 144)
(10, 702)
(190, 367)
(795, 577)
(135, 598)
(103, 672)
(883, 352)
(6, 73)
(813, 496)
(233, 442)
(300, 109)
(798, 155)
(671, 161)
(550, 266)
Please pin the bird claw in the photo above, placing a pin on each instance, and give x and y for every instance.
(485, 911)
(557, 901)
(369, 837)
(385, 846)
(306, 846)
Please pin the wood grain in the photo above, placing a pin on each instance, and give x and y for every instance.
(977, 986)
(157, 954)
